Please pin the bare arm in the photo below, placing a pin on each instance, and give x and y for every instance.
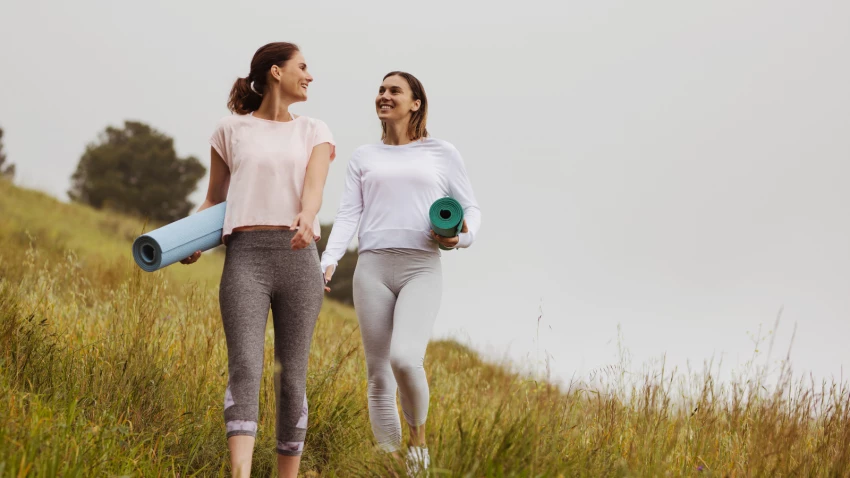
(311, 197)
(219, 181)
(216, 191)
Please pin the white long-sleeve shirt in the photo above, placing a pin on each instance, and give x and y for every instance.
(389, 191)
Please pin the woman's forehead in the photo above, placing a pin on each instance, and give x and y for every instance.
(395, 80)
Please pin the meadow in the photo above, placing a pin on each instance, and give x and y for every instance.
(106, 370)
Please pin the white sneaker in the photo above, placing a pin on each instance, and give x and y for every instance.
(418, 460)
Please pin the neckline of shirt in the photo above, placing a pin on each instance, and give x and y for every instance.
(292, 120)
(411, 144)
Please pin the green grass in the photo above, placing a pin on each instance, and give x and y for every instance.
(109, 371)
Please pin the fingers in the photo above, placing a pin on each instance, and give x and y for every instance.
(449, 242)
(302, 238)
(191, 259)
(438, 237)
(295, 243)
(329, 273)
(464, 228)
(305, 235)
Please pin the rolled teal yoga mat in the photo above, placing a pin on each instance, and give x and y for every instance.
(180, 239)
(446, 215)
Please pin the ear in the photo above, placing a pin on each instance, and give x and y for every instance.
(276, 72)
(416, 105)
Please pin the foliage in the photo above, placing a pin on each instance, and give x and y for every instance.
(135, 170)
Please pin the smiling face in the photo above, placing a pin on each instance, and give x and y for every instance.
(395, 100)
(293, 77)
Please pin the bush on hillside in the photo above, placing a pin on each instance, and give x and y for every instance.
(135, 170)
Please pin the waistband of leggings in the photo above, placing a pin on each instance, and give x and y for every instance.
(400, 252)
(264, 239)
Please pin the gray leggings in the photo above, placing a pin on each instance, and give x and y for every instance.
(397, 296)
(261, 270)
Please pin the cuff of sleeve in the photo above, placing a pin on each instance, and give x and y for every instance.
(327, 263)
(464, 240)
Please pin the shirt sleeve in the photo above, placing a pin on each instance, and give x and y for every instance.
(461, 190)
(322, 134)
(347, 217)
(220, 141)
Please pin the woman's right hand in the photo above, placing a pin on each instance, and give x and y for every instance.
(191, 259)
(329, 272)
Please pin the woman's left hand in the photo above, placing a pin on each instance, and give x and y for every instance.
(303, 223)
(450, 242)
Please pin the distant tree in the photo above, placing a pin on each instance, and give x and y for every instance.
(135, 169)
(6, 171)
(342, 283)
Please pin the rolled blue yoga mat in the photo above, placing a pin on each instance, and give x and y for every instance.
(180, 239)
(446, 215)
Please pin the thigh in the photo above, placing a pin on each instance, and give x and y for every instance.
(417, 307)
(244, 298)
(297, 298)
(374, 303)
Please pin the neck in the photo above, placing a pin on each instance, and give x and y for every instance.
(397, 132)
(274, 107)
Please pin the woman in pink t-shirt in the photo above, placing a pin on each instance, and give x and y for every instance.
(271, 168)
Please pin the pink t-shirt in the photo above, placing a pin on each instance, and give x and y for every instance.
(268, 162)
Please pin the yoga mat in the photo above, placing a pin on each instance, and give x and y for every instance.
(446, 215)
(180, 239)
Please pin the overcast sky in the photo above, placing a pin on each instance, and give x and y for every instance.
(678, 168)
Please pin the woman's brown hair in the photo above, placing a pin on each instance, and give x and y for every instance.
(416, 130)
(247, 93)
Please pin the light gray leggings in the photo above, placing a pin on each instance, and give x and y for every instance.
(396, 296)
(261, 270)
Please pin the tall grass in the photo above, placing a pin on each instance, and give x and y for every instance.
(109, 371)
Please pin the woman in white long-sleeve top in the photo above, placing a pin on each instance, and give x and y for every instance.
(389, 189)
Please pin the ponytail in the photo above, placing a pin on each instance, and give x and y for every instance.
(243, 98)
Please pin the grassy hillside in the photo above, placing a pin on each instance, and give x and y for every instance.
(109, 371)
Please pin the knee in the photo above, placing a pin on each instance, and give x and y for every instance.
(404, 365)
(285, 380)
(381, 380)
(243, 373)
